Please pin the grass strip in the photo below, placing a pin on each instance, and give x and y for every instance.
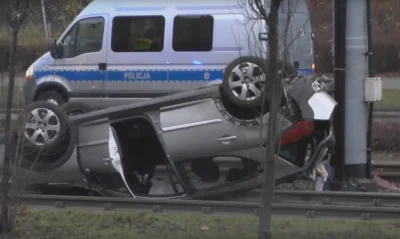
(97, 225)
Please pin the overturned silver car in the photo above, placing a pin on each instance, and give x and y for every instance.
(175, 146)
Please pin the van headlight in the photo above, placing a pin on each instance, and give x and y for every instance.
(29, 73)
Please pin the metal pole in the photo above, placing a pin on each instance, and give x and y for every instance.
(339, 44)
(356, 110)
(49, 29)
(371, 104)
(46, 33)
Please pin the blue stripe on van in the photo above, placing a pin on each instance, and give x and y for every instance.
(164, 75)
(305, 72)
(195, 75)
(137, 75)
(73, 75)
(145, 75)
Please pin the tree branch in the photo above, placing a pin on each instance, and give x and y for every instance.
(18, 11)
(272, 89)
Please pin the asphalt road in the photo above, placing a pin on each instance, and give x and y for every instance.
(388, 82)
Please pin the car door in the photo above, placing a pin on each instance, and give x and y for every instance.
(99, 153)
(82, 66)
(197, 129)
(93, 147)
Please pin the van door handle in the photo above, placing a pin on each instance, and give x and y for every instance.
(103, 66)
(227, 139)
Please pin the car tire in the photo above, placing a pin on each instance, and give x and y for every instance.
(75, 108)
(52, 96)
(42, 117)
(237, 78)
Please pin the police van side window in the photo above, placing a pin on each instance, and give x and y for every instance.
(85, 36)
(138, 34)
(193, 33)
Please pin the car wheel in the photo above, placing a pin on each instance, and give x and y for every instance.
(42, 127)
(52, 96)
(75, 108)
(244, 80)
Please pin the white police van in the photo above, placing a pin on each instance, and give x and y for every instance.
(190, 44)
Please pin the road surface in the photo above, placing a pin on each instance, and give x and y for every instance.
(388, 82)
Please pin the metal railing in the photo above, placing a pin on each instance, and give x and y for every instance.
(364, 206)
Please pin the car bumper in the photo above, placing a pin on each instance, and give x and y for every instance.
(29, 91)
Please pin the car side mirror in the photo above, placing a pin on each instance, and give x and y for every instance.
(55, 50)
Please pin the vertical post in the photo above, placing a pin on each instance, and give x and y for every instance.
(46, 33)
(356, 110)
(339, 47)
(49, 30)
(6, 59)
(371, 104)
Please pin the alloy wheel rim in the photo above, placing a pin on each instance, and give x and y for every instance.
(42, 126)
(246, 81)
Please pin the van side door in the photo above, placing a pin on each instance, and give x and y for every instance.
(296, 35)
(82, 66)
(194, 60)
(136, 61)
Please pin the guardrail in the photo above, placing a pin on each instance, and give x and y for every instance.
(309, 210)
(389, 170)
(366, 199)
(376, 114)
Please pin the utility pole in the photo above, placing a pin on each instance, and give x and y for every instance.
(45, 26)
(356, 110)
(371, 104)
(339, 51)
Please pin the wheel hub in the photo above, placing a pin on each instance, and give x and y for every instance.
(42, 126)
(246, 81)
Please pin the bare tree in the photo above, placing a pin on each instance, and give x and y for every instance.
(15, 16)
(280, 39)
(272, 89)
(71, 8)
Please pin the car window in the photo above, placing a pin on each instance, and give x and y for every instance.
(193, 33)
(138, 34)
(207, 173)
(85, 36)
(68, 42)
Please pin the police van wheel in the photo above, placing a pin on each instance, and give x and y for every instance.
(52, 96)
(244, 80)
(75, 108)
(41, 128)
